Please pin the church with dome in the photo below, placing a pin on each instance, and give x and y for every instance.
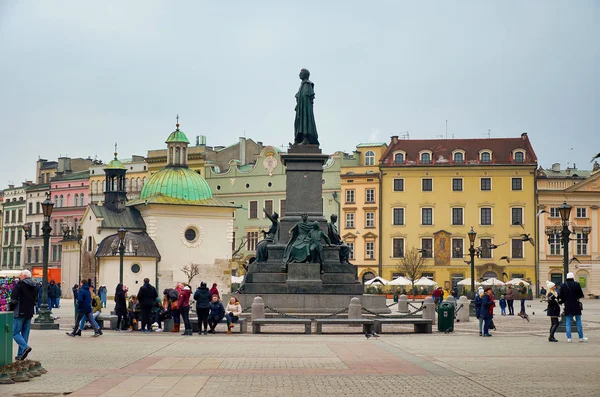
(175, 222)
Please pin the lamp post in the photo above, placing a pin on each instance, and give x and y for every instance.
(472, 235)
(44, 319)
(122, 231)
(565, 238)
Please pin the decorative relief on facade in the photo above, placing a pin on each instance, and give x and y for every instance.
(270, 162)
(192, 235)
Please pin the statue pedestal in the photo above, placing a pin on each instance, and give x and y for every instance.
(304, 278)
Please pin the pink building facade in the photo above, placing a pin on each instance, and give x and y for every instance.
(69, 194)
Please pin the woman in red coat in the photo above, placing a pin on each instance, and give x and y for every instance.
(183, 304)
(215, 291)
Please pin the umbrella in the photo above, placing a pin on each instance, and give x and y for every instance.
(379, 280)
(467, 282)
(517, 281)
(492, 281)
(425, 282)
(400, 281)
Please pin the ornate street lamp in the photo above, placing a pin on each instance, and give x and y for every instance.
(27, 230)
(472, 235)
(44, 320)
(564, 234)
(121, 232)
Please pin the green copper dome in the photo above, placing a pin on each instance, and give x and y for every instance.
(177, 183)
(115, 164)
(177, 136)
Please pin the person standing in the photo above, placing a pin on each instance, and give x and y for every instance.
(202, 297)
(147, 296)
(58, 295)
(502, 305)
(217, 312)
(102, 293)
(121, 308)
(487, 310)
(215, 291)
(523, 296)
(183, 302)
(510, 300)
(570, 293)
(437, 295)
(478, 299)
(553, 310)
(22, 302)
(84, 309)
(52, 294)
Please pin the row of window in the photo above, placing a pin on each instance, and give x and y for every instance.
(425, 157)
(62, 201)
(458, 252)
(369, 196)
(253, 212)
(11, 234)
(13, 216)
(581, 248)
(11, 258)
(457, 184)
(131, 185)
(580, 212)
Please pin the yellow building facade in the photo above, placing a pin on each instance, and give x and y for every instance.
(581, 190)
(360, 200)
(434, 191)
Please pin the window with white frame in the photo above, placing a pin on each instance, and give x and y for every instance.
(426, 158)
(399, 158)
(251, 240)
(397, 248)
(517, 184)
(554, 212)
(486, 252)
(349, 220)
(253, 210)
(427, 247)
(459, 157)
(457, 216)
(581, 212)
(517, 248)
(351, 248)
(426, 216)
(555, 245)
(486, 184)
(282, 207)
(457, 248)
(370, 158)
(427, 185)
(398, 216)
(369, 250)
(582, 247)
(370, 219)
(370, 195)
(457, 184)
(398, 185)
(268, 208)
(486, 157)
(519, 157)
(350, 196)
(486, 216)
(516, 216)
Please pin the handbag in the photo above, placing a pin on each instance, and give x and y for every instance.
(491, 325)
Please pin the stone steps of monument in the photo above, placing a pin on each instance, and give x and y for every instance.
(303, 287)
(327, 278)
(329, 267)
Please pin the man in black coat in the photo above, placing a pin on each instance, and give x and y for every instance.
(22, 303)
(570, 293)
(147, 297)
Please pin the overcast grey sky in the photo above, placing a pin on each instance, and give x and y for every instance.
(78, 76)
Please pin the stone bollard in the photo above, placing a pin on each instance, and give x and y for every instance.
(354, 309)
(450, 299)
(258, 308)
(403, 304)
(463, 312)
(429, 309)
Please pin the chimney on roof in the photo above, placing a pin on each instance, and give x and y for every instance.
(556, 167)
(243, 150)
(524, 136)
(394, 139)
(11, 186)
(259, 143)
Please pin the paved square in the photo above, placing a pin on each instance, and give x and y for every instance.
(517, 361)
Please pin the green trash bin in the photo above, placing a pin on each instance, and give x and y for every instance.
(446, 317)
(6, 339)
(396, 297)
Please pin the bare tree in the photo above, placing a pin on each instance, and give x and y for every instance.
(239, 248)
(191, 271)
(413, 264)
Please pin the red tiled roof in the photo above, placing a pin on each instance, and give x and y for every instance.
(501, 148)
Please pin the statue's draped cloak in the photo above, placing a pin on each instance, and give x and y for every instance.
(298, 248)
(305, 124)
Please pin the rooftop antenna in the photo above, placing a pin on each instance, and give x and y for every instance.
(489, 133)
(405, 135)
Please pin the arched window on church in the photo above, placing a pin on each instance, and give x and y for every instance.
(137, 185)
(171, 155)
(82, 200)
(177, 156)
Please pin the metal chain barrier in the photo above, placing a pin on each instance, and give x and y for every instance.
(396, 316)
(285, 315)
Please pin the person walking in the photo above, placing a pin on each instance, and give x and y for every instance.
(570, 293)
(202, 297)
(510, 300)
(147, 296)
(478, 299)
(102, 293)
(487, 310)
(22, 302)
(84, 309)
(96, 310)
(58, 295)
(553, 309)
(121, 308)
(214, 290)
(217, 312)
(233, 311)
(183, 302)
(523, 296)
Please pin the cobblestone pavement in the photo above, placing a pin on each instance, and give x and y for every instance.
(517, 361)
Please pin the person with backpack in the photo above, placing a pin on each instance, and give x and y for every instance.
(172, 296)
(84, 309)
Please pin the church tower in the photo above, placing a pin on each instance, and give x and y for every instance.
(115, 194)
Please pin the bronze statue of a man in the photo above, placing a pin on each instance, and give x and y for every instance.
(336, 239)
(305, 128)
(271, 236)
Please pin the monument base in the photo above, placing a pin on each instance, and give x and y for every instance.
(318, 304)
